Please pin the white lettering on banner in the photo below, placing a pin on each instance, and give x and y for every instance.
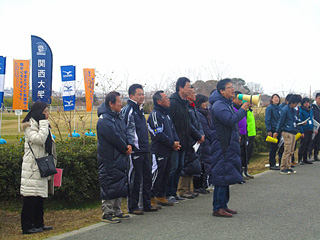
(42, 73)
(41, 63)
(41, 84)
(41, 94)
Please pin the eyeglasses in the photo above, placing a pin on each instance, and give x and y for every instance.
(231, 87)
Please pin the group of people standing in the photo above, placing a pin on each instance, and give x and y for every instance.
(289, 122)
(194, 146)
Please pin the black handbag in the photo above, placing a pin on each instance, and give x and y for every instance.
(45, 164)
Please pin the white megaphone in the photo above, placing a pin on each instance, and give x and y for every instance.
(254, 99)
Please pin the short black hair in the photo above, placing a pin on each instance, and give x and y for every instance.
(237, 93)
(275, 94)
(318, 94)
(305, 100)
(222, 84)
(133, 88)
(111, 97)
(289, 96)
(157, 96)
(181, 82)
(295, 98)
(200, 99)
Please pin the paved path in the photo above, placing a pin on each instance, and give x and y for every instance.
(271, 206)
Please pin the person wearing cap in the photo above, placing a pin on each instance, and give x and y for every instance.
(35, 188)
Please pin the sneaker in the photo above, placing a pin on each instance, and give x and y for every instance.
(285, 171)
(201, 191)
(210, 188)
(274, 168)
(194, 194)
(178, 198)
(151, 209)
(172, 199)
(110, 219)
(292, 171)
(302, 163)
(137, 212)
(307, 162)
(186, 195)
(122, 216)
(163, 201)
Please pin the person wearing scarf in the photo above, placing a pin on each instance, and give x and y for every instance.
(34, 188)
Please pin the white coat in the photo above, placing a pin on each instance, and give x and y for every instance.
(32, 184)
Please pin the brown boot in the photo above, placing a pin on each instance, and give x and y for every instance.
(231, 211)
(222, 213)
(154, 203)
(163, 201)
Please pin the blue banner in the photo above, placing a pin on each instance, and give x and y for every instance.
(41, 70)
(68, 76)
(2, 74)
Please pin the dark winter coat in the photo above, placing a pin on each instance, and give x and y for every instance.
(316, 112)
(305, 113)
(137, 127)
(272, 117)
(288, 121)
(226, 163)
(178, 112)
(206, 146)
(192, 159)
(162, 131)
(112, 147)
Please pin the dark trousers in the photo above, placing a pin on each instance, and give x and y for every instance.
(273, 152)
(177, 164)
(244, 151)
(161, 167)
(201, 181)
(304, 146)
(221, 196)
(140, 173)
(32, 213)
(250, 147)
(315, 144)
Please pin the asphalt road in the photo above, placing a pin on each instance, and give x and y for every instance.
(271, 206)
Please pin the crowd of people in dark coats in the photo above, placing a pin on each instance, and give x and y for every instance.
(291, 124)
(198, 144)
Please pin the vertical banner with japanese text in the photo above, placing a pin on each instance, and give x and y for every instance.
(89, 76)
(41, 70)
(68, 75)
(2, 75)
(21, 73)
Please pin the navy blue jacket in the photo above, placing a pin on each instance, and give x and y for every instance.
(288, 121)
(272, 117)
(305, 113)
(137, 126)
(206, 146)
(112, 147)
(192, 164)
(163, 134)
(226, 162)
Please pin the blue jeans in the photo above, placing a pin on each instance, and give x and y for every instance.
(177, 163)
(221, 197)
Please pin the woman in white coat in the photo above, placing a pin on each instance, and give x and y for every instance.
(34, 188)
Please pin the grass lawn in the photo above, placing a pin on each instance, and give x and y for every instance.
(65, 220)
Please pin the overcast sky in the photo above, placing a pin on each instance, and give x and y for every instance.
(273, 43)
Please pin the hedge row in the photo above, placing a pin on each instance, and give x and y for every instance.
(79, 163)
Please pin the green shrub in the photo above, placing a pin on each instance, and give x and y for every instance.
(260, 144)
(80, 172)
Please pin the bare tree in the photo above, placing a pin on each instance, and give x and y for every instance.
(218, 70)
(255, 88)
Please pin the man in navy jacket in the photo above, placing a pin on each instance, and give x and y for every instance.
(164, 141)
(113, 146)
(140, 165)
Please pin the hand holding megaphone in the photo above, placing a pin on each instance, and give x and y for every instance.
(245, 106)
(253, 99)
